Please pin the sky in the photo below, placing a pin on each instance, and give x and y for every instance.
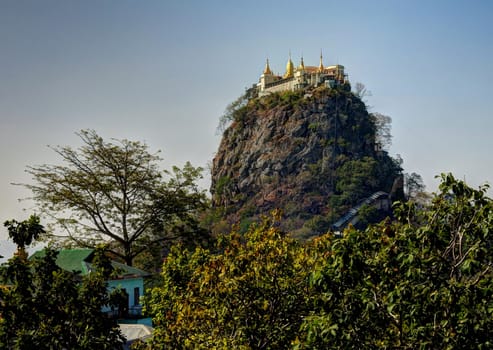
(162, 72)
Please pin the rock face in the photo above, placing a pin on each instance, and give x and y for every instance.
(289, 150)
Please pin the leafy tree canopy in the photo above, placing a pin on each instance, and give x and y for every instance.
(114, 192)
(414, 185)
(248, 295)
(23, 233)
(424, 281)
(45, 307)
(383, 125)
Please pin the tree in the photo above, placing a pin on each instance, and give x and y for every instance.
(361, 91)
(23, 233)
(355, 180)
(231, 112)
(423, 282)
(414, 185)
(249, 294)
(113, 192)
(45, 307)
(383, 125)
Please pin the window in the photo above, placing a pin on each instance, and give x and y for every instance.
(136, 296)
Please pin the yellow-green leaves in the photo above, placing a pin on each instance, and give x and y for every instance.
(424, 281)
(251, 293)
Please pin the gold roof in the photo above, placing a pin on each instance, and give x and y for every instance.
(311, 69)
(289, 68)
(336, 70)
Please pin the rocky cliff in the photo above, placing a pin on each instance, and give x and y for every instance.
(312, 154)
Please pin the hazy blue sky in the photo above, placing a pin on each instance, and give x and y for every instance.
(163, 72)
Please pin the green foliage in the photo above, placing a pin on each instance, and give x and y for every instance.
(368, 214)
(425, 282)
(383, 125)
(355, 180)
(115, 191)
(236, 110)
(245, 224)
(414, 185)
(317, 225)
(250, 294)
(45, 307)
(222, 184)
(23, 233)
(313, 127)
(291, 99)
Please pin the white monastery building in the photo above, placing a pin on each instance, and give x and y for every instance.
(301, 77)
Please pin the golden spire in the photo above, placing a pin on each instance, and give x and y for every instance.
(302, 64)
(267, 68)
(289, 68)
(321, 66)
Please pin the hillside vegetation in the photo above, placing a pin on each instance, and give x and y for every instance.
(313, 154)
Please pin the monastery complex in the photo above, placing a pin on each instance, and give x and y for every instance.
(300, 77)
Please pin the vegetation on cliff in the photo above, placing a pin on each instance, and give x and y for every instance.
(314, 154)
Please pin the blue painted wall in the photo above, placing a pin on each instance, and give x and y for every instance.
(129, 285)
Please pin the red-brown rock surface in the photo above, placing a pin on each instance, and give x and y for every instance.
(283, 151)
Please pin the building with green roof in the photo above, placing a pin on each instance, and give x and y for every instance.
(129, 279)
